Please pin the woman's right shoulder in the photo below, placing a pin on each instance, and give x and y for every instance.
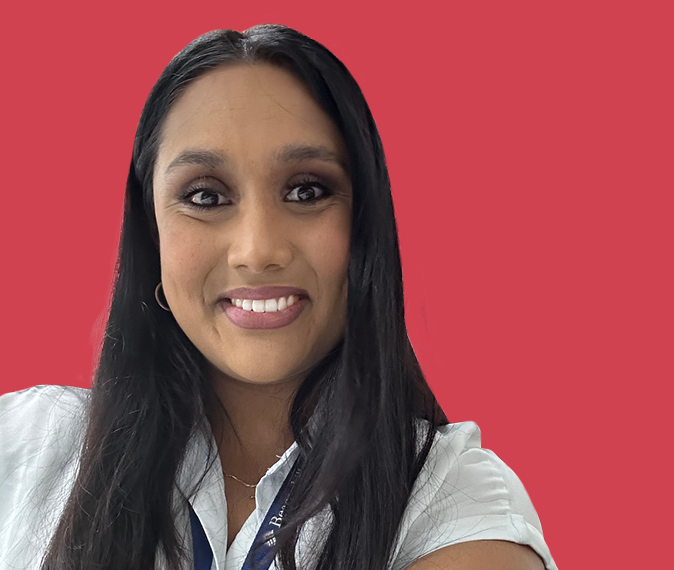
(41, 405)
(41, 435)
(40, 421)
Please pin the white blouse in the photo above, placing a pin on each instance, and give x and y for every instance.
(463, 492)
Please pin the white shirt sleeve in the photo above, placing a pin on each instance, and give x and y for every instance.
(40, 434)
(465, 493)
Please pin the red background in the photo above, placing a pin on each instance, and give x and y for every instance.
(530, 149)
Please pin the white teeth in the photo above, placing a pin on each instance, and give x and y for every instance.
(266, 305)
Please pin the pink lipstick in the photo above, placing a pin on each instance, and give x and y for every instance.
(250, 312)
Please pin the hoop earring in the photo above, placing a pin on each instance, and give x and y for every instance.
(156, 296)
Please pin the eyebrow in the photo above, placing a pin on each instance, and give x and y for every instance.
(290, 153)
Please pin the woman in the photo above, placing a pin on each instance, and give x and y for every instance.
(257, 399)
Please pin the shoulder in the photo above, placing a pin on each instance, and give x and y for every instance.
(458, 461)
(30, 416)
(466, 493)
(37, 398)
(41, 430)
(39, 426)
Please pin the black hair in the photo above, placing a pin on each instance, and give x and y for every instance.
(363, 453)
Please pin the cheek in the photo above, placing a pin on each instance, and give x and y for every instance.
(186, 259)
(332, 255)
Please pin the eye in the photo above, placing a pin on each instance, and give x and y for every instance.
(206, 198)
(202, 196)
(308, 191)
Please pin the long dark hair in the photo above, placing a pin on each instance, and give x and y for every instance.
(365, 449)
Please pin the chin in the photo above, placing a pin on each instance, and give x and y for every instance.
(257, 374)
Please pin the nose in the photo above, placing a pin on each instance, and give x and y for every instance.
(260, 237)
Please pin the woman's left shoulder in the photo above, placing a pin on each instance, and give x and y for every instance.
(459, 458)
(464, 493)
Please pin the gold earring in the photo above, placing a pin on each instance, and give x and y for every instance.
(156, 296)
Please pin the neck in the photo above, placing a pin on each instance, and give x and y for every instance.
(255, 428)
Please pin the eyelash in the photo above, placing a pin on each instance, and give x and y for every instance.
(199, 186)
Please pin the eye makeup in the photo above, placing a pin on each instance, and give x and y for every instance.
(203, 185)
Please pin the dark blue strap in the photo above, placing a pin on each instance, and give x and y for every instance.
(203, 555)
(260, 557)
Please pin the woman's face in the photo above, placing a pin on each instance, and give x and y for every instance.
(251, 189)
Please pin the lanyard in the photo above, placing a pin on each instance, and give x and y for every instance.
(203, 555)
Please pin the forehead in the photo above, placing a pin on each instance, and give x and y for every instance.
(248, 112)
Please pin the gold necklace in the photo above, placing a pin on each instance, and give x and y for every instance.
(250, 486)
(242, 482)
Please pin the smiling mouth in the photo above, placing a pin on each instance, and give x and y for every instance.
(264, 314)
(266, 305)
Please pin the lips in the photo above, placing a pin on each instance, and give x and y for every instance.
(254, 320)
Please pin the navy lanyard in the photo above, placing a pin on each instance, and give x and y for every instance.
(203, 555)
(260, 557)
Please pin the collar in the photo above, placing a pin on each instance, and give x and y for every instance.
(208, 498)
